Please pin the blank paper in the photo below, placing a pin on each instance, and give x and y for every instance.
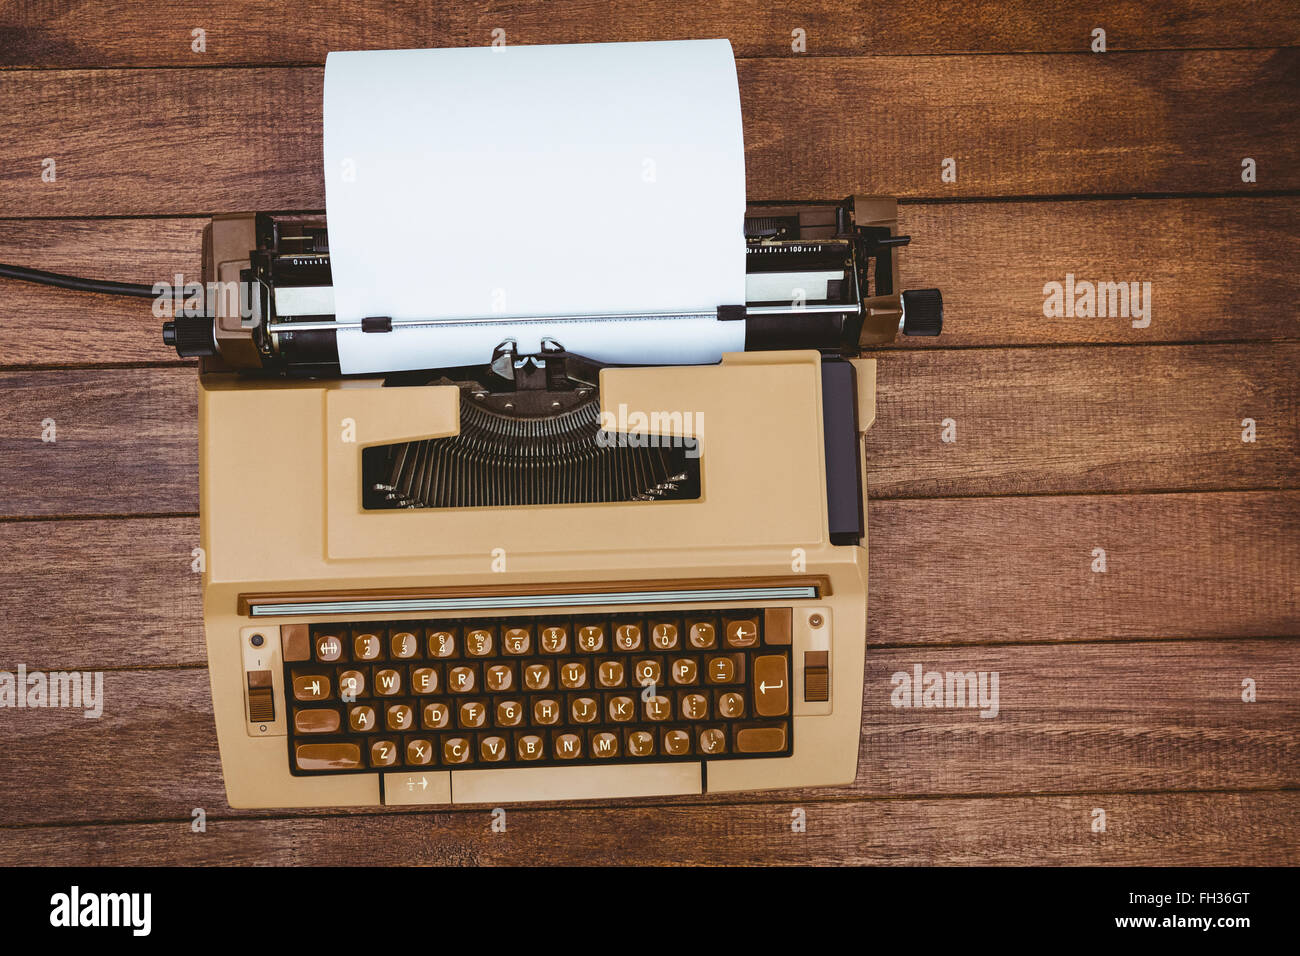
(495, 183)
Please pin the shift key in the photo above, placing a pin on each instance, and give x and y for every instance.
(341, 756)
(771, 685)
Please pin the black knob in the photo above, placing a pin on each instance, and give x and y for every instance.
(922, 312)
(190, 335)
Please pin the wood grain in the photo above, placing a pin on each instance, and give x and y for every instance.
(1183, 830)
(44, 326)
(125, 442)
(1119, 690)
(121, 593)
(990, 570)
(1071, 718)
(1216, 267)
(1103, 717)
(239, 139)
(1028, 422)
(94, 594)
(49, 33)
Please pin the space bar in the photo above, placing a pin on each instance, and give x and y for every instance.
(576, 783)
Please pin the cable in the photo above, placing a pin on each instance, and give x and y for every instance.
(25, 274)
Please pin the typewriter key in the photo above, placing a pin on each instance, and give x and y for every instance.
(529, 747)
(703, 635)
(621, 708)
(583, 710)
(352, 684)
(419, 752)
(517, 640)
(492, 749)
(610, 674)
(537, 676)
(591, 638)
(435, 716)
(399, 717)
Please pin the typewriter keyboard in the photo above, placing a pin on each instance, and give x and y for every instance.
(528, 691)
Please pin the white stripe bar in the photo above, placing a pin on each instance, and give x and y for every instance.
(510, 601)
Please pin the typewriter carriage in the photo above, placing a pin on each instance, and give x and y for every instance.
(820, 275)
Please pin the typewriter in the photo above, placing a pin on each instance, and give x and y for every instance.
(492, 583)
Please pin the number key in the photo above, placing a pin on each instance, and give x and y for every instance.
(403, 645)
(591, 638)
(628, 637)
(442, 643)
(664, 636)
(555, 639)
(478, 642)
(517, 640)
(366, 647)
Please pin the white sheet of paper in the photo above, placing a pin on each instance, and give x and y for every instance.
(493, 183)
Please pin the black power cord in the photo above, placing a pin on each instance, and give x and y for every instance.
(190, 336)
(109, 287)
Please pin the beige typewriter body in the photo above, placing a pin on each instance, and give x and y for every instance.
(282, 522)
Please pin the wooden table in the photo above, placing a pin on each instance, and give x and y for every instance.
(1120, 690)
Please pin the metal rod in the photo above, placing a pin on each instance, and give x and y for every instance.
(274, 327)
(800, 310)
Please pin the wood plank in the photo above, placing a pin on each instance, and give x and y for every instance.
(990, 259)
(1072, 718)
(125, 442)
(44, 326)
(1218, 268)
(1028, 422)
(991, 570)
(1031, 421)
(236, 139)
(1141, 829)
(93, 594)
(101, 33)
(1178, 566)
